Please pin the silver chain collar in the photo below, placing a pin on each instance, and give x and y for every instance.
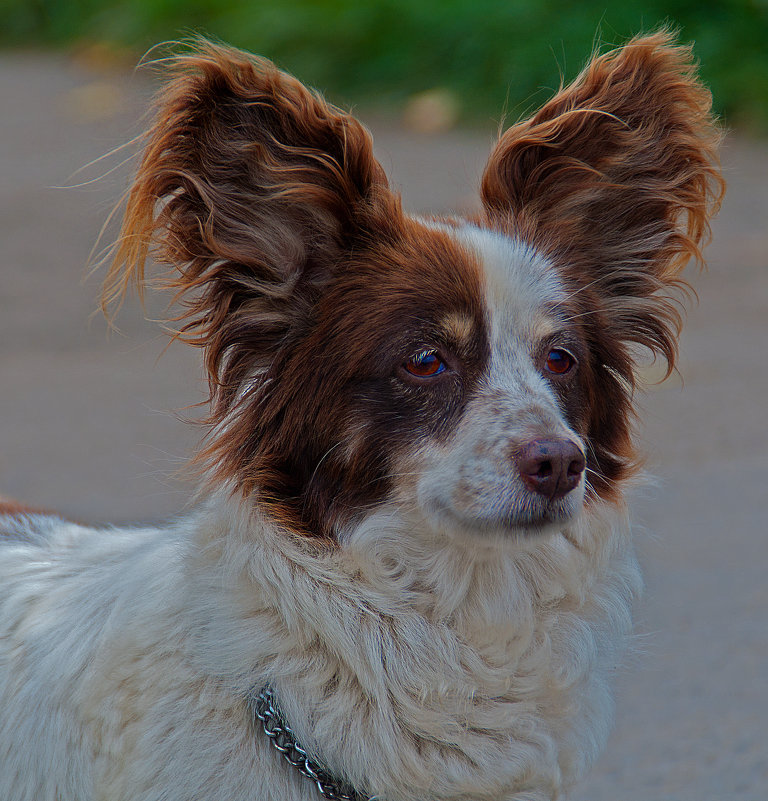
(284, 740)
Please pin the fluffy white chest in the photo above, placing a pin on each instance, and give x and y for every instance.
(128, 655)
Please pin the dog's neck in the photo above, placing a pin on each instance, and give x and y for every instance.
(482, 658)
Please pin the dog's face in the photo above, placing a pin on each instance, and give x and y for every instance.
(512, 458)
(443, 369)
(479, 372)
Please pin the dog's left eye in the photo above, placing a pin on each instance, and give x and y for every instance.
(559, 361)
(425, 364)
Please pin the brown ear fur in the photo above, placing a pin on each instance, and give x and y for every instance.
(615, 178)
(249, 186)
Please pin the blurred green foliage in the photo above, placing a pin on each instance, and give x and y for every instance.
(492, 54)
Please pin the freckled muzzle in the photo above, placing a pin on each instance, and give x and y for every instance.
(503, 483)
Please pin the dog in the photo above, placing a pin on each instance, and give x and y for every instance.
(410, 565)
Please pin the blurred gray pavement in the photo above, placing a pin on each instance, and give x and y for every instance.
(91, 425)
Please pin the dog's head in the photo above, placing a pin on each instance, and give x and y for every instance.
(480, 372)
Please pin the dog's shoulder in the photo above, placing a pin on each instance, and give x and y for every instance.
(20, 522)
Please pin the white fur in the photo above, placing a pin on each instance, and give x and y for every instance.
(127, 656)
(469, 482)
(434, 654)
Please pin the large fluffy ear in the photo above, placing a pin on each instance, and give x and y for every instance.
(615, 179)
(250, 187)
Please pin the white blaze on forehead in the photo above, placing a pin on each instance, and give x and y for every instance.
(472, 481)
(521, 287)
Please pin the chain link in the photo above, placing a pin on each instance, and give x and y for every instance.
(284, 740)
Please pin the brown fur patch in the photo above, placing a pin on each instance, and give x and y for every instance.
(320, 435)
(10, 507)
(303, 281)
(615, 179)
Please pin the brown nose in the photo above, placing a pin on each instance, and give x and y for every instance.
(551, 467)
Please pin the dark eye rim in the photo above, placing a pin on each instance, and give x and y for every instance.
(572, 361)
(443, 366)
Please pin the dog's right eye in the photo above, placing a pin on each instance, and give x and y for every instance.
(559, 361)
(425, 364)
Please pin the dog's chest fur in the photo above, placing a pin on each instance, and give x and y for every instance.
(478, 673)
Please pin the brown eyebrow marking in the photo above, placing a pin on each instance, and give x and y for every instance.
(544, 326)
(458, 327)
